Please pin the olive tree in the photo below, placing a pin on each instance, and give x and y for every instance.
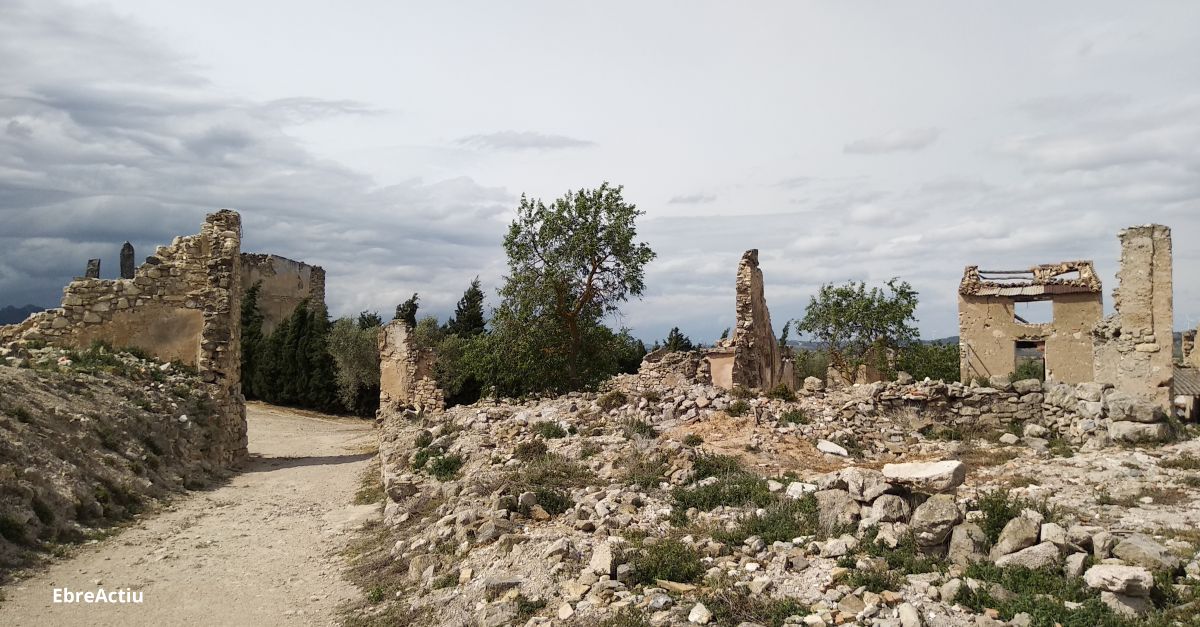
(857, 326)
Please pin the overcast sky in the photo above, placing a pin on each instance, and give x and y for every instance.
(389, 142)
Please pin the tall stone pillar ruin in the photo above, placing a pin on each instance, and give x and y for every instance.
(757, 362)
(1133, 347)
(127, 265)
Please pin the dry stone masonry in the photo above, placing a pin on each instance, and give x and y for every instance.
(182, 305)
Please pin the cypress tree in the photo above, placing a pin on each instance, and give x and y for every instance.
(252, 338)
(407, 311)
(468, 320)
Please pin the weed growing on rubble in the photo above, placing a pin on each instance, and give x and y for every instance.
(737, 408)
(734, 606)
(1000, 506)
(781, 521)
(445, 467)
(651, 396)
(742, 392)
(795, 417)
(668, 559)
(782, 392)
(1186, 461)
(645, 471)
(875, 581)
(612, 400)
(634, 428)
(529, 451)
(627, 617)
(527, 607)
(905, 558)
(549, 430)
(692, 439)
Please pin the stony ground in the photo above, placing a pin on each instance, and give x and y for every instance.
(691, 505)
(261, 549)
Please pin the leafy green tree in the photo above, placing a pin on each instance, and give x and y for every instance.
(407, 310)
(427, 333)
(936, 360)
(571, 263)
(355, 351)
(677, 341)
(858, 327)
(468, 320)
(368, 319)
(252, 337)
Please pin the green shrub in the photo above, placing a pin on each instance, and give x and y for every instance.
(20, 413)
(692, 439)
(449, 580)
(667, 559)
(875, 581)
(588, 449)
(735, 489)
(737, 408)
(781, 521)
(421, 457)
(550, 471)
(527, 607)
(906, 557)
(1187, 461)
(424, 439)
(733, 606)
(627, 617)
(708, 465)
(12, 530)
(1039, 593)
(651, 396)
(635, 427)
(935, 360)
(554, 501)
(645, 471)
(445, 467)
(529, 451)
(742, 392)
(1000, 506)
(1029, 369)
(794, 416)
(612, 400)
(549, 430)
(1060, 447)
(782, 392)
(375, 595)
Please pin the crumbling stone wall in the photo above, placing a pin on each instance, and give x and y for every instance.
(181, 304)
(284, 284)
(756, 362)
(1191, 353)
(989, 329)
(1133, 347)
(406, 372)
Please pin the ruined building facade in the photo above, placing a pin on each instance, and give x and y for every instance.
(283, 285)
(991, 334)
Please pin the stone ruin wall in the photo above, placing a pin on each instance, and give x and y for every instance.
(406, 373)
(1133, 347)
(182, 304)
(756, 362)
(285, 283)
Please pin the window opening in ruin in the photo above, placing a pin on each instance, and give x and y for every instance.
(1033, 312)
(1029, 360)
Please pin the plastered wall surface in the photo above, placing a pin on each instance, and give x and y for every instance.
(284, 284)
(989, 332)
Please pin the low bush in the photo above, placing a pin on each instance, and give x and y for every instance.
(782, 392)
(780, 521)
(634, 427)
(737, 408)
(734, 606)
(1186, 461)
(742, 392)
(550, 471)
(737, 489)
(549, 430)
(612, 400)
(1000, 506)
(875, 581)
(667, 559)
(445, 467)
(692, 439)
(645, 471)
(905, 558)
(794, 416)
(651, 396)
(529, 451)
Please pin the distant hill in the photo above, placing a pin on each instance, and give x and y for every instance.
(13, 315)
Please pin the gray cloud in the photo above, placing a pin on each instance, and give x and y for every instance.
(521, 140)
(692, 199)
(906, 140)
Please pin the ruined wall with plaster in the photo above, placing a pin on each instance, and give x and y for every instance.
(284, 284)
(1191, 355)
(406, 372)
(1133, 347)
(182, 304)
(989, 329)
(757, 361)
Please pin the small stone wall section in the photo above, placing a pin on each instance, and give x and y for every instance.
(406, 373)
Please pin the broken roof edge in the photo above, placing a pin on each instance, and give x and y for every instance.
(1043, 279)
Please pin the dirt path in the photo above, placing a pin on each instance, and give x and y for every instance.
(259, 550)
